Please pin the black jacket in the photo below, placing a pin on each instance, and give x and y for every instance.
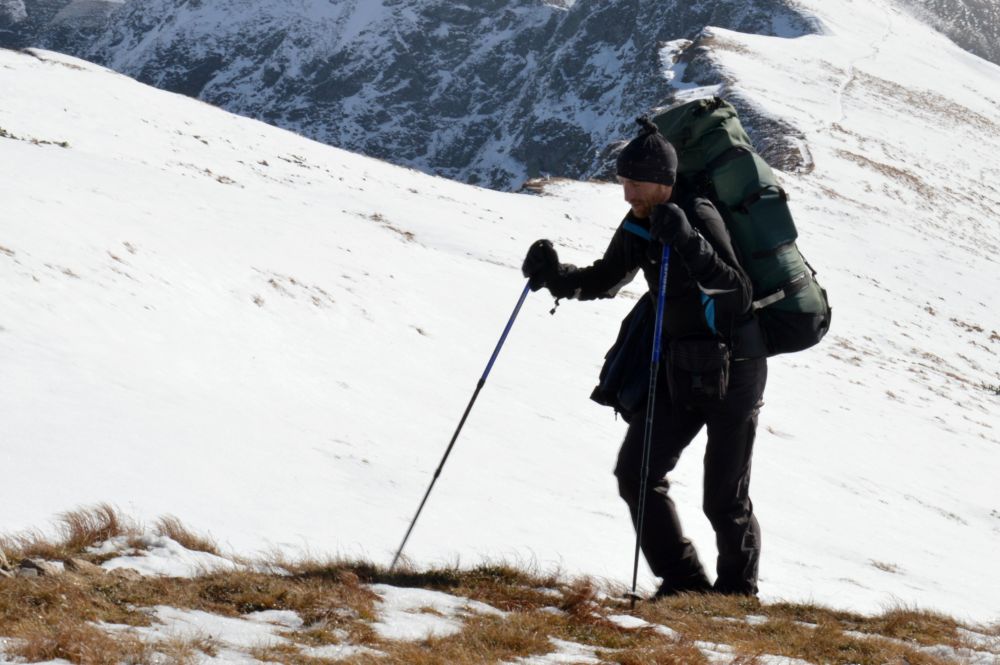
(708, 293)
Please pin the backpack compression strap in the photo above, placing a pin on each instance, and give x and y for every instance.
(789, 288)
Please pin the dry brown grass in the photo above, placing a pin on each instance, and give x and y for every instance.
(54, 616)
(77, 642)
(663, 653)
(173, 528)
(808, 632)
(483, 639)
(76, 531)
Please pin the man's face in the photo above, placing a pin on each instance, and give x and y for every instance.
(642, 195)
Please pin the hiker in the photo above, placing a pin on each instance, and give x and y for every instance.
(716, 367)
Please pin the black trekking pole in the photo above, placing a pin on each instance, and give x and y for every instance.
(650, 401)
(479, 387)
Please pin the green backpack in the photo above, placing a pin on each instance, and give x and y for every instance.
(717, 160)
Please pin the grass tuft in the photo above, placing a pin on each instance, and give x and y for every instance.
(76, 531)
(579, 600)
(79, 643)
(171, 527)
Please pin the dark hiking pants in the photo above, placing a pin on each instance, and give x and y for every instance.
(732, 425)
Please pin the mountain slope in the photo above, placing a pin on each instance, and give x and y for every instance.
(972, 24)
(490, 93)
(273, 339)
(68, 26)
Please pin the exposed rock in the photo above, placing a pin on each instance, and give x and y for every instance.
(41, 567)
(129, 574)
(81, 567)
(12, 12)
(32, 17)
(68, 26)
(26, 572)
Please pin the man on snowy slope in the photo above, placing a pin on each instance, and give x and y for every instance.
(716, 365)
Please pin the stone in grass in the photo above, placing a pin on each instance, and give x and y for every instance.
(40, 567)
(128, 574)
(81, 567)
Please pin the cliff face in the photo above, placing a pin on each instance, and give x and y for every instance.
(491, 93)
(69, 26)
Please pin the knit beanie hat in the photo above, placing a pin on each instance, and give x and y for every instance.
(648, 157)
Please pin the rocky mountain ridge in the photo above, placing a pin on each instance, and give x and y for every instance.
(494, 93)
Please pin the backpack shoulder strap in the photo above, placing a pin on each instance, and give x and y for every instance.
(635, 229)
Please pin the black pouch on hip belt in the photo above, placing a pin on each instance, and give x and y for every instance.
(698, 371)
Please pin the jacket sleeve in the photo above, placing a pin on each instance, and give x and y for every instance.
(601, 279)
(710, 259)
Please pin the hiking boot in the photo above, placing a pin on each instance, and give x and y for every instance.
(738, 590)
(675, 587)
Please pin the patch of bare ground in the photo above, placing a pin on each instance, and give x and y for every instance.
(378, 217)
(540, 185)
(893, 173)
(4, 134)
(930, 104)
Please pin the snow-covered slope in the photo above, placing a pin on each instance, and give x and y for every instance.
(274, 339)
(972, 24)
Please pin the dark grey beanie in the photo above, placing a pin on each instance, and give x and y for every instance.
(648, 157)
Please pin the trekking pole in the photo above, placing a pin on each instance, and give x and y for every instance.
(650, 401)
(479, 387)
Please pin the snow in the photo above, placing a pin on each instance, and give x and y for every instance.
(208, 317)
(159, 555)
(565, 652)
(233, 633)
(231, 637)
(57, 661)
(766, 659)
(716, 653)
(415, 614)
(627, 621)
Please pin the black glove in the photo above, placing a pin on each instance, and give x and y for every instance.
(669, 224)
(540, 263)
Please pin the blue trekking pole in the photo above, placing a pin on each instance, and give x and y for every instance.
(650, 401)
(479, 387)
